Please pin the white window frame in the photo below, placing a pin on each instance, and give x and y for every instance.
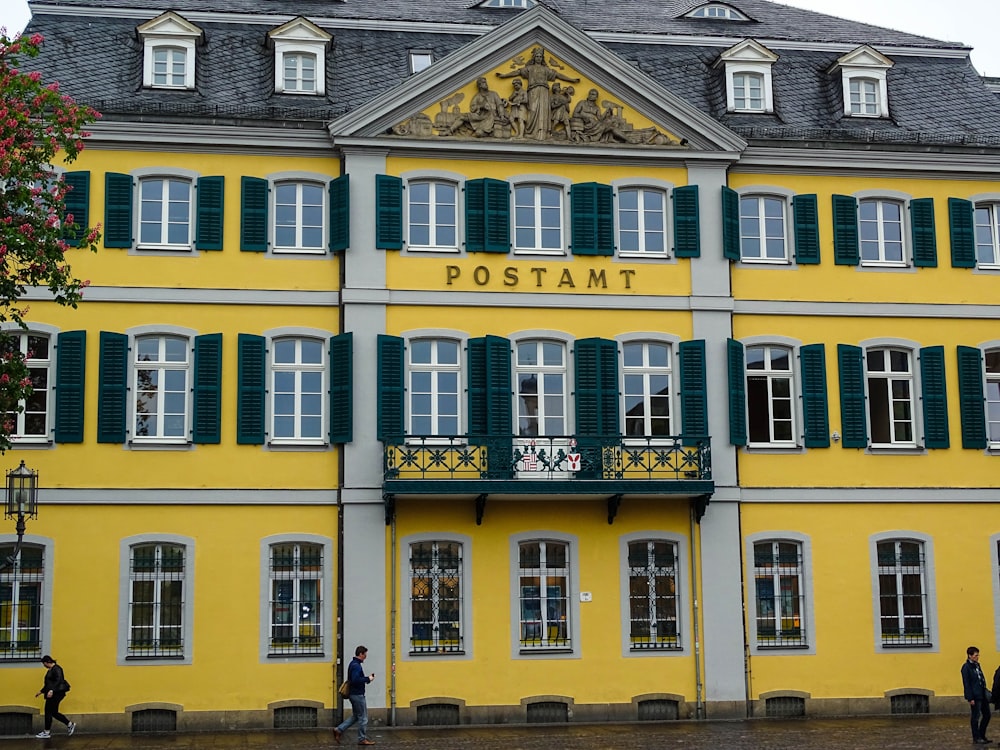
(992, 396)
(991, 208)
(928, 593)
(891, 376)
(300, 206)
(10, 575)
(134, 334)
(540, 370)
(651, 187)
(435, 369)
(184, 654)
(419, 60)
(717, 11)
(325, 651)
(299, 73)
(864, 63)
(762, 196)
(465, 605)
(434, 243)
(770, 376)
(645, 371)
(162, 366)
(166, 217)
(571, 649)
(881, 223)
(173, 32)
(304, 38)
(758, 646)
(507, 4)
(273, 335)
(541, 213)
(298, 368)
(680, 575)
(41, 330)
(748, 58)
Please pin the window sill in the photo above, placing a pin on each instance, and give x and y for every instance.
(543, 651)
(898, 646)
(782, 647)
(765, 261)
(774, 448)
(540, 251)
(319, 445)
(424, 654)
(164, 248)
(299, 251)
(296, 655)
(42, 442)
(897, 450)
(640, 255)
(431, 249)
(160, 445)
(885, 266)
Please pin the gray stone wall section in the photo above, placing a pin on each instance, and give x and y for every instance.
(719, 550)
(365, 553)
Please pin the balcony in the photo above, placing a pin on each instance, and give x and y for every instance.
(509, 467)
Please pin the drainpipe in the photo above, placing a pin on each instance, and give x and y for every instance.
(699, 712)
(392, 622)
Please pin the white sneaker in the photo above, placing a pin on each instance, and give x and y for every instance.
(44, 734)
(71, 727)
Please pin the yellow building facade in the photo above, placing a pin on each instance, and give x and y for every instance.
(635, 398)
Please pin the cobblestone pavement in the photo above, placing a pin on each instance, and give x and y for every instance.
(899, 733)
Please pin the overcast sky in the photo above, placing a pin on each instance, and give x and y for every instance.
(975, 23)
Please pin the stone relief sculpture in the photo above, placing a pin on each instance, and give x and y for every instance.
(540, 110)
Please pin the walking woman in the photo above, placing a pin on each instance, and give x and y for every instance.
(54, 689)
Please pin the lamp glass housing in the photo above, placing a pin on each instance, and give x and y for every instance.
(22, 493)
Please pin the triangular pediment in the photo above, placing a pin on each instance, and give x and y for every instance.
(748, 51)
(300, 30)
(502, 87)
(864, 57)
(169, 24)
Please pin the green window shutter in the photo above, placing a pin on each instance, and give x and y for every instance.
(117, 210)
(489, 397)
(71, 370)
(933, 387)
(815, 410)
(731, 229)
(211, 198)
(253, 215)
(596, 372)
(478, 407)
(846, 251)
(251, 389)
(207, 417)
(475, 216)
(112, 388)
(736, 359)
(923, 232)
(487, 216)
(591, 207)
(77, 203)
(694, 391)
(391, 390)
(970, 396)
(388, 212)
(340, 213)
(687, 232)
(962, 226)
(853, 421)
(342, 388)
(805, 214)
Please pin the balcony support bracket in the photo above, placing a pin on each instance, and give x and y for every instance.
(389, 500)
(700, 503)
(614, 502)
(480, 508)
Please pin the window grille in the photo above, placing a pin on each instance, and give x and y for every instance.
(780, 598)
(154, 720)
(652, 570)
(544, 595)
(783, 707)
(21, 602)
(156, 602)
(296, 573)
(547, 712)
(437, 715)
(658, 710)
(909, 704)
(902, 593)
(295, 717)
(436, 597)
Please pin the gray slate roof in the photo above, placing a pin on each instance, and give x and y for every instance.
(937, 100)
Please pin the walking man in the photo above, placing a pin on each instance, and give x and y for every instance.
(974, 684)
(359, 709)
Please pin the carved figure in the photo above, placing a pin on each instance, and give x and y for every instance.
(589, 123)
(559, 101)
(486, 116)
(518, 101)
(538, 75)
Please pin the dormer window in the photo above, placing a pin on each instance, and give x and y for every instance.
(420, 60)
(863, 73)
(299, 57)
(718, 11)
(748, 77)
(169, 43)
(507, 4)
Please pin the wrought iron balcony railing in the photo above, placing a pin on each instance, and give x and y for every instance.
(437, 457)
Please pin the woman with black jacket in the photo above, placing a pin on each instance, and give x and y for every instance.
(54, 688)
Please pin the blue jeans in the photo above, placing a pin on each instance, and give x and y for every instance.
(359, 714)
(980, 718)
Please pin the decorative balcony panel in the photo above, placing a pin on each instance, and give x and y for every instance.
(445, 465)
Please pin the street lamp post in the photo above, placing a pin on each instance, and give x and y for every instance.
(22, 503)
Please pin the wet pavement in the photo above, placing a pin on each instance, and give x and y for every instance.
(909, 733)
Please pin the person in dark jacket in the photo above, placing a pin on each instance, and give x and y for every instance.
(359, 708)
(974, 685)
(54, 689)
